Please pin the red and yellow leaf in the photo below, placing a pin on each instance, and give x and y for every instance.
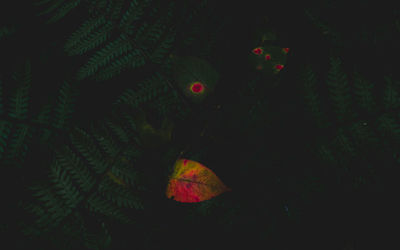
(193, 182)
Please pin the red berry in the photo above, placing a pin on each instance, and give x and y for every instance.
(258, 51)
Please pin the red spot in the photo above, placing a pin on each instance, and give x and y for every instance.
(185, 162)
(197, 87)
(258, 51)
(267, 57)
(279, 66)
(285, 50)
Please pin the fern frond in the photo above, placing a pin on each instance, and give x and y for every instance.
(83, 32)
(19, 103)
(5, 128)
(363, 93)
(119, 195)
(134, 12)
(6, 31)
(163, 48)
(18, 145)
(389, 127)
(96, 203)
(363, 134)
(91, 40)
(65, 105)
(99, 241)
(85, 145)
(150, 34)
(131, 60)
(312, 97)
(53, 210)
(123, 170)
(344, 144)
(119, 131)
(132, 128)
(43, 117)
(106, 141)
(114, 9)
(324, 28)
(1, 98)
(391, 96)
(64, 10)
(102, 57)
(78, 170)
(339, 89)
(147, 91)
(64, 186)
(54, 5)
(327, 155)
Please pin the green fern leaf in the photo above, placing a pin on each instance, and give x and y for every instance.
(64, 186)
(131, 60)
(327, 155)
(98, 204)
(78, 170)
(147, 91)
(362, 134)
(5, 128)
(6, 31)
(106, 142)
(163, 48)
(102, 57)
(83, 33)
(18, 146)
(54, 5)
(44, 118)
(98, 241)
(64, 10)
(65, 105)
(119, 131)
(90, 41)
(1, 98)
(119, 195)
(44, 115)
(19, 103)
(123, 170)
(115, 8)
(391, 97)
(53, 205)
(324, 28)
(134, 12)
(363, 93)
(339, 89)
(344, 144)
(132, 128)
(311, 96)
(86, 146)
(388, 126)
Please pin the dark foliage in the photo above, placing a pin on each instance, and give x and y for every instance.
(94, 111)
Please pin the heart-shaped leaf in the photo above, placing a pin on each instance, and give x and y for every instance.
(193, 182)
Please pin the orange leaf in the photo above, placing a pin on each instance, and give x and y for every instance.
(193, 182)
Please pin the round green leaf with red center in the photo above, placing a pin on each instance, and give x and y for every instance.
(195, 77)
